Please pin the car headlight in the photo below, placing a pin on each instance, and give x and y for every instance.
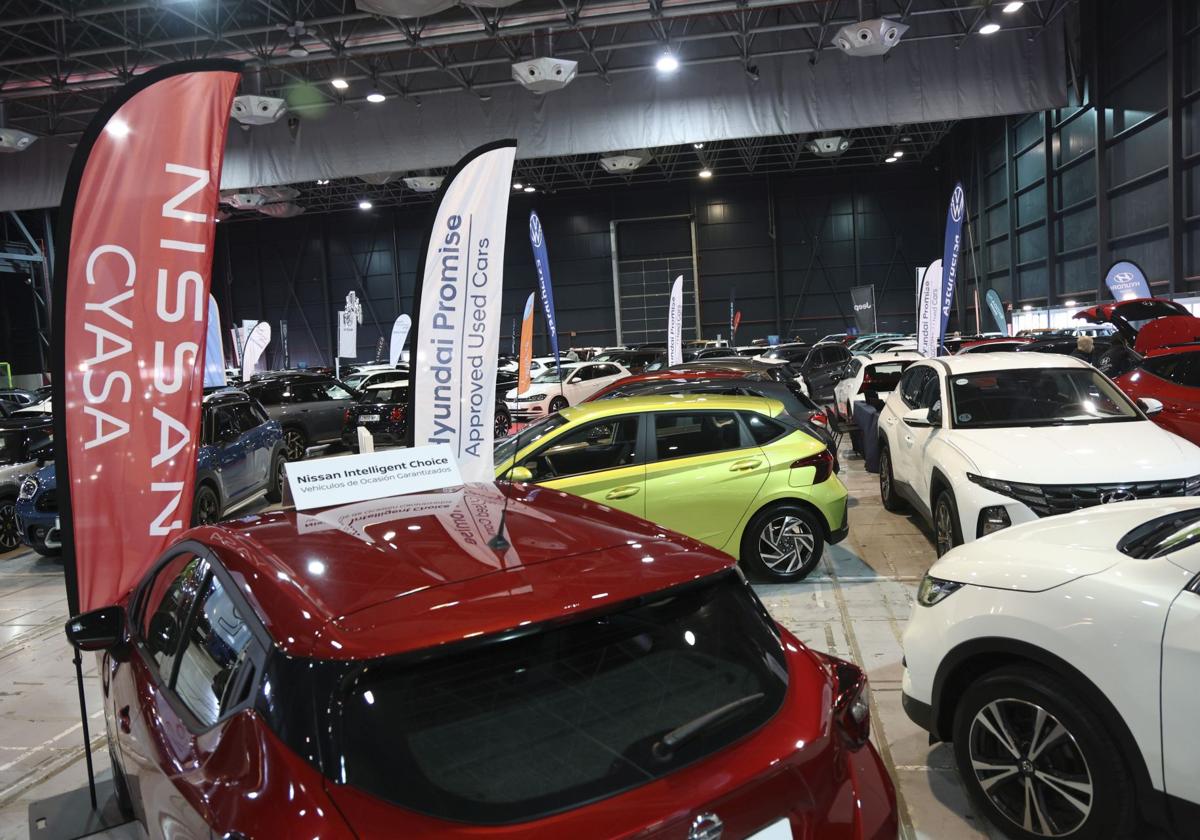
(934, 590)
(533, 398)
(994, 484)
(28, 489)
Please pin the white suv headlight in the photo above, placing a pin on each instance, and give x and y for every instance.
(934, 590)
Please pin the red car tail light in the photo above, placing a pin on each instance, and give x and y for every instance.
(397, 415)
(346, 416)
(823, 461)
(819, 417)
(851, 705)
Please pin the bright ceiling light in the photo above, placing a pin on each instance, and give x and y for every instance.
(898, 153)
(891, 159)
(322, 182)
(531, 188)
(375, 97)
(989, 28)
(697, 145)
(117, 127)
(667, 63)
(297, 50)
(339, 83)
(1013, 8)
(1070, 303)
(1027, 307)
(365, 205)
(705, 173)
(517, 185)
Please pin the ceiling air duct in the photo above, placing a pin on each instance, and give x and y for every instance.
(625, 162)
(828, 147)
(869, 37)
(544, 75)
(422, 8)
(424, 183)
(13, 139)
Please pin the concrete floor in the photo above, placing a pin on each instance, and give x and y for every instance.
(855, 606)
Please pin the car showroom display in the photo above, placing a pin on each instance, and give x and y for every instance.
(878, 372)
(599, 672)
(558, 388)
(382, 409)
(1062, 659)
(1170, 375)
(737, 473)
(979, 442)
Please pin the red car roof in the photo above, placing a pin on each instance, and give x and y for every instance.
(411, 572)
(678, 374)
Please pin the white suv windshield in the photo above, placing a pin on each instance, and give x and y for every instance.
(1036, 397)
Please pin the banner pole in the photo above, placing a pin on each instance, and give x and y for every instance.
(83, 718)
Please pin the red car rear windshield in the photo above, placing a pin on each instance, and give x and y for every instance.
(518, 728)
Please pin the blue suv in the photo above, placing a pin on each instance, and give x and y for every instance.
(241, 457)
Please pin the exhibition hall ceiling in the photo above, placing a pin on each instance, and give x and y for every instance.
(430, 79)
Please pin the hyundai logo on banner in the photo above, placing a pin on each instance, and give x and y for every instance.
(1127, 281)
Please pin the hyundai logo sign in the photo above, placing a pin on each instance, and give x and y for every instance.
(1121, 494)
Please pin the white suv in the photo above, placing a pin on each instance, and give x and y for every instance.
(980, 442)
(1062, 659)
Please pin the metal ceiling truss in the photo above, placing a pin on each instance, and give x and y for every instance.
(869, 148)
(61, 57)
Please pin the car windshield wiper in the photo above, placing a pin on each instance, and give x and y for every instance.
(666, 745)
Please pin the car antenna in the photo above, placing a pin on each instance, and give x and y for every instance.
(498, 542)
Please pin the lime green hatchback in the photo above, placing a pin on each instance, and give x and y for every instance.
(734, 472)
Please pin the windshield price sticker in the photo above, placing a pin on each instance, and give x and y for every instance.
(375, 475)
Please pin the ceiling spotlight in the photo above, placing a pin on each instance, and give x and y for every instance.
(989, 27)
(667, 63)
(117, 127)
(322, 182)
(375, 97)
(365, 205)
(1013, 8)
(891, 159)
(297, 50)
(705, 173)
(898, 153)
(517, 185)
(339, 83)
(697, 145)
(530, 188)
(905, 139)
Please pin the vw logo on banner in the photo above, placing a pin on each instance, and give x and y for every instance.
(957, 201)
(535, 230)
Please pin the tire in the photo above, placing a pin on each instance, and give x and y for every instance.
(295, 444)
(887, 482)
(783, 543)
(503, 423)
(1028, 705)
(557, 404)
(10, 535)
(206, 506)
(276, 481)
(120, 786)
(947, 533)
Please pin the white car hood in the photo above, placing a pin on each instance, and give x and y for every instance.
(1050, 552)
(1081, 454)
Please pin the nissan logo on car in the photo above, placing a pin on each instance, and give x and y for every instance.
(706, 826)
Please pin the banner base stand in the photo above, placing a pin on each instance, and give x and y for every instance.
(70, 815)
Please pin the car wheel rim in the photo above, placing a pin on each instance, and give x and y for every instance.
(1030, 767)
(9, 537)
(281, 475)
(206, 509)
(944, 528)
(293, 446)
(885, 475)
(501, 426)
(786, 544)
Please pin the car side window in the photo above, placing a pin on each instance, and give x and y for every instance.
(931, 392)
(683, 434)
(165, 607)
(259, 412)
(911, 384)
(216, 642)
(762, 429)
(334, 391)
(603, 445)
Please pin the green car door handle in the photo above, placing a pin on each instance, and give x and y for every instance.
(742, 466)
(622, 492)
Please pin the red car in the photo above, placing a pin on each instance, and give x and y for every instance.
(1172, 377)
(1146, 323)
(379, 670)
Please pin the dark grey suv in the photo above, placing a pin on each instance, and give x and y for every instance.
(310, 407)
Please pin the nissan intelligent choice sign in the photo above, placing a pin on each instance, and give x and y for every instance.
(131, 304)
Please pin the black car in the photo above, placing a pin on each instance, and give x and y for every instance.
(383, 411)
(1064, 345)
(310, 407)
(18, 397)
(822, 367)
(635, 361)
